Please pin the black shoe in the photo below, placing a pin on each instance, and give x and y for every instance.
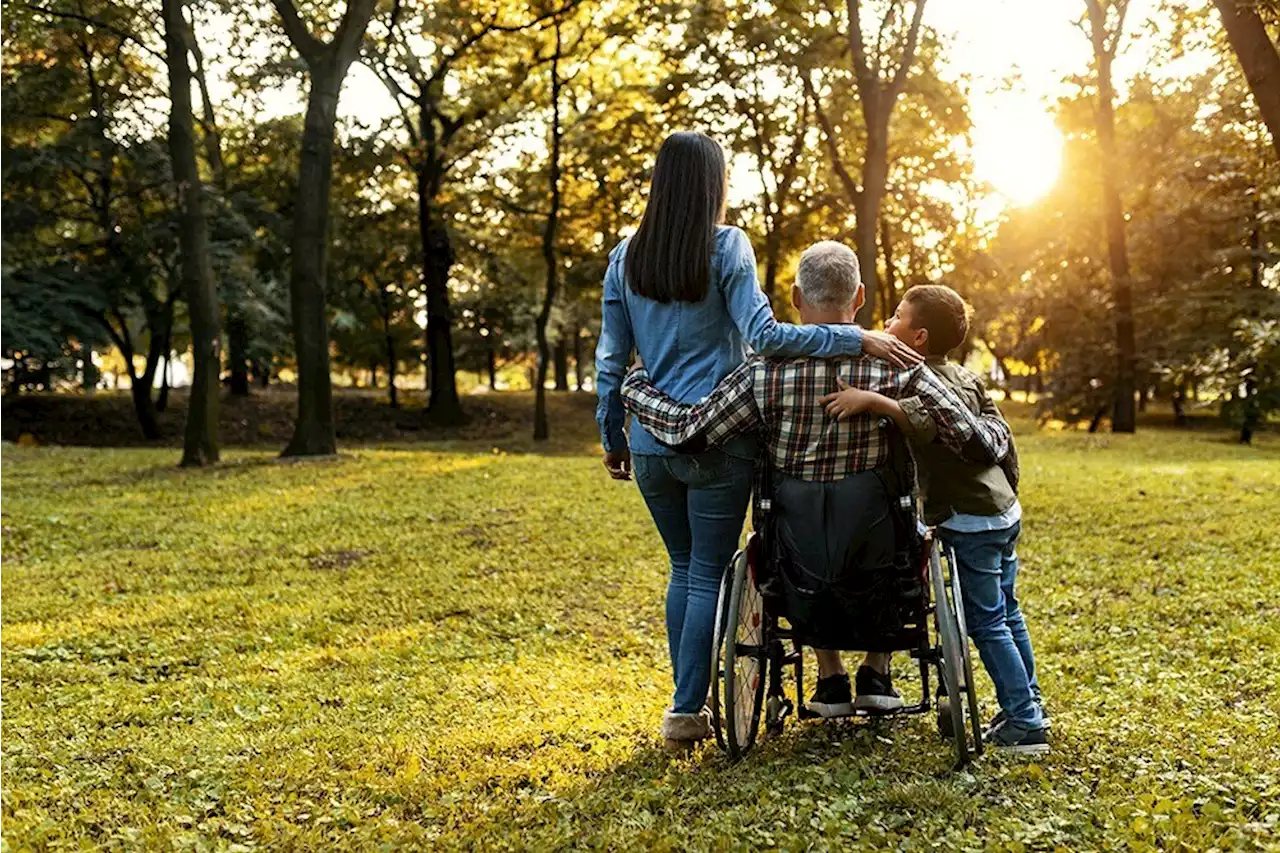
(1001, 718)
(875, 692)
(1016, 740)
(833, 697)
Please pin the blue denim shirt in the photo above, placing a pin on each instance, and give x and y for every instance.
(688, 347)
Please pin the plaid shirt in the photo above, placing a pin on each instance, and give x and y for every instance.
(779, 397)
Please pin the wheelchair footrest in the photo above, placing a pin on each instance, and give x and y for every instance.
(806, 714)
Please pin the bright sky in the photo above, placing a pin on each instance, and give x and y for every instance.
(1016, 54)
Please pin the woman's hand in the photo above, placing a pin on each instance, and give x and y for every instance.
(848, 402)
(618, 463)
(886, 346)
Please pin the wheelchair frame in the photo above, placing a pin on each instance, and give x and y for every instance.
(751, 655)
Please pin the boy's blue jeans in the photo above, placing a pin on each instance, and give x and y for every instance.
(699, 503)
(988, 563)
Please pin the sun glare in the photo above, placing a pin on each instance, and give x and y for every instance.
(1018, 152)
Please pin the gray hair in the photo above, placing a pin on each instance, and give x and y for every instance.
(829, 276)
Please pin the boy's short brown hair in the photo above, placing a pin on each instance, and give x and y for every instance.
(942, 312)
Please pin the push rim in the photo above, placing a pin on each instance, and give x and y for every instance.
(950, 666)
(970, 687)
(744, 661)
(718, 652)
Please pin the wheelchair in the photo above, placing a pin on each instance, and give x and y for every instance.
(915, 608)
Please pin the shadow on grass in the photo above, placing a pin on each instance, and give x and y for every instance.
(686, 801)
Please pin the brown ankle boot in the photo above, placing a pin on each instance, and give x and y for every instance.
(681, 732)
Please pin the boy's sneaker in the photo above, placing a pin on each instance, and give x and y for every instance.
(1001, 718)
(1015, 740)
(833, 698)
(875, 692)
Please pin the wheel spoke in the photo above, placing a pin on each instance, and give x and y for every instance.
(747, 667)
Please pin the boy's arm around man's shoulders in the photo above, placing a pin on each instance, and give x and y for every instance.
(1010, 465)
(989, 412)
(991, 442)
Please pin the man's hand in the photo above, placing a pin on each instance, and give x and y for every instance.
(618, 463)
(848, 401)
(886, 346)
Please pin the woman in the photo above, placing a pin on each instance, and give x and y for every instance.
(683, 293)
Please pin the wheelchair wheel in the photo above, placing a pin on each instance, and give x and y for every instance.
(971, 687)
(744, 660)
(950, 663)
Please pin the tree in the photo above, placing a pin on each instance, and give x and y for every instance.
(374, 277)
(1253, 47)
(880, 79)
(453, 94)
(761, 108)
(327, 64)
(86, 187)
(541, 430)
(1106, 26)
(200, 439)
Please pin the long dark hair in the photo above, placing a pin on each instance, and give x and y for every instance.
(669, 258)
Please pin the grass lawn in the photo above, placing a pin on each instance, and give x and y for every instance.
(457, 646)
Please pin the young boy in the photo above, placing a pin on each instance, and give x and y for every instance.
(975, 510)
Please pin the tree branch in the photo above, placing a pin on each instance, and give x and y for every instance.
(908, 55)
(310, 48)
(861, 72)
(828, 133)
(494, 27)
(346, 42)
(98, 24)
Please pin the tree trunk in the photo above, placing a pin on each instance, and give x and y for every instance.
(493, 368)
(392, 391)
(327, 64)
(1179, 405)
(772, 249)
(443, 404)
(1252, 45)
(89, 374)
(875, 170)
(200, 438)
(1124, 417)
(1252, 405)
(261, 373)
(541, 429)
(162, 399)
(238, 346)
(389, 341)
(562, 364)
(313, 433)
(1252, 413)
(237, 326)
(578, 367)
(145, 409)
(890, 275)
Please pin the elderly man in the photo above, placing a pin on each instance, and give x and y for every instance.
(843, 521)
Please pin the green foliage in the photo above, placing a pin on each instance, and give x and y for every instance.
(297, 657)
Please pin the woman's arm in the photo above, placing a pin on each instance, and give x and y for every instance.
(612, 354)
(754, 318)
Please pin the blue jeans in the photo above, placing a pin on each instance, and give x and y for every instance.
(988, 563)
(699, 503)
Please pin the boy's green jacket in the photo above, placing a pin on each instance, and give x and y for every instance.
(951, 485)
